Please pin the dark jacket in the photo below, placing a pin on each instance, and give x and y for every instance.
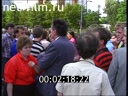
(58, 53)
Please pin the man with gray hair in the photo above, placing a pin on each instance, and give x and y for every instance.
(120, 34)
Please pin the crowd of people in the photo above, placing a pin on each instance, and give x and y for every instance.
(59, 52)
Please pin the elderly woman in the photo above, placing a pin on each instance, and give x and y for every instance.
(20, 70)
(85, 77)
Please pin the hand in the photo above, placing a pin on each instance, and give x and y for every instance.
(31, 64)
(114, 41)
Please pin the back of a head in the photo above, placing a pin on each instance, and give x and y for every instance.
(38, 26)
(87, 44)
(45, 34)
(27, 33)
(37, 32)
(60, 26)
(104, 34)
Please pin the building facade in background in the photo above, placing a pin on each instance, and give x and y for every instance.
(41, 1)
(59, 2)
(63, 2)
(7, 2)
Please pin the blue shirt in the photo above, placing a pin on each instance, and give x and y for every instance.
(31, 36)
(109, 45)
(13, 48)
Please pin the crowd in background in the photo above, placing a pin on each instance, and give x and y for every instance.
(28, 54)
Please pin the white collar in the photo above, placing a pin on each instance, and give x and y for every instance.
(57, 38)
(88, 61)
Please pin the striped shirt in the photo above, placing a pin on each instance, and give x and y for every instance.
(37, 48)
(103, 59)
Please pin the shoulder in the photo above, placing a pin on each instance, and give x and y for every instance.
(72, 40)
(37, 45)
(54, 45)
(121, 49)
(120, 53)
(102, 53)
(4, 36)
(63, 41)
(84, 68)
(14, 42)
(13, 61)
(45, 41)
(109, 44)
(71, 66)
(31, 57)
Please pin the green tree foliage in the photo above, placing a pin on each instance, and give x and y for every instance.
(23, 17)
(91, 18)
(111, 10)
(94, 25)
(121, 16)
(103, 20)
(116, 11)
(72, 15)
(52, 13)
(44, 14)
(4, 19)
(35, 15)
(11, 15)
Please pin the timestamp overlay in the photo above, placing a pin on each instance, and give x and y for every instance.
(64, 79)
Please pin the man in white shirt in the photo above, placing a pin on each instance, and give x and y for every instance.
(98, 83)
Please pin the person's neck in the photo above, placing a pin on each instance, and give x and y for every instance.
(37, 39)
(24, 57)
(92, 57)
(9, 33)
(101, 47)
